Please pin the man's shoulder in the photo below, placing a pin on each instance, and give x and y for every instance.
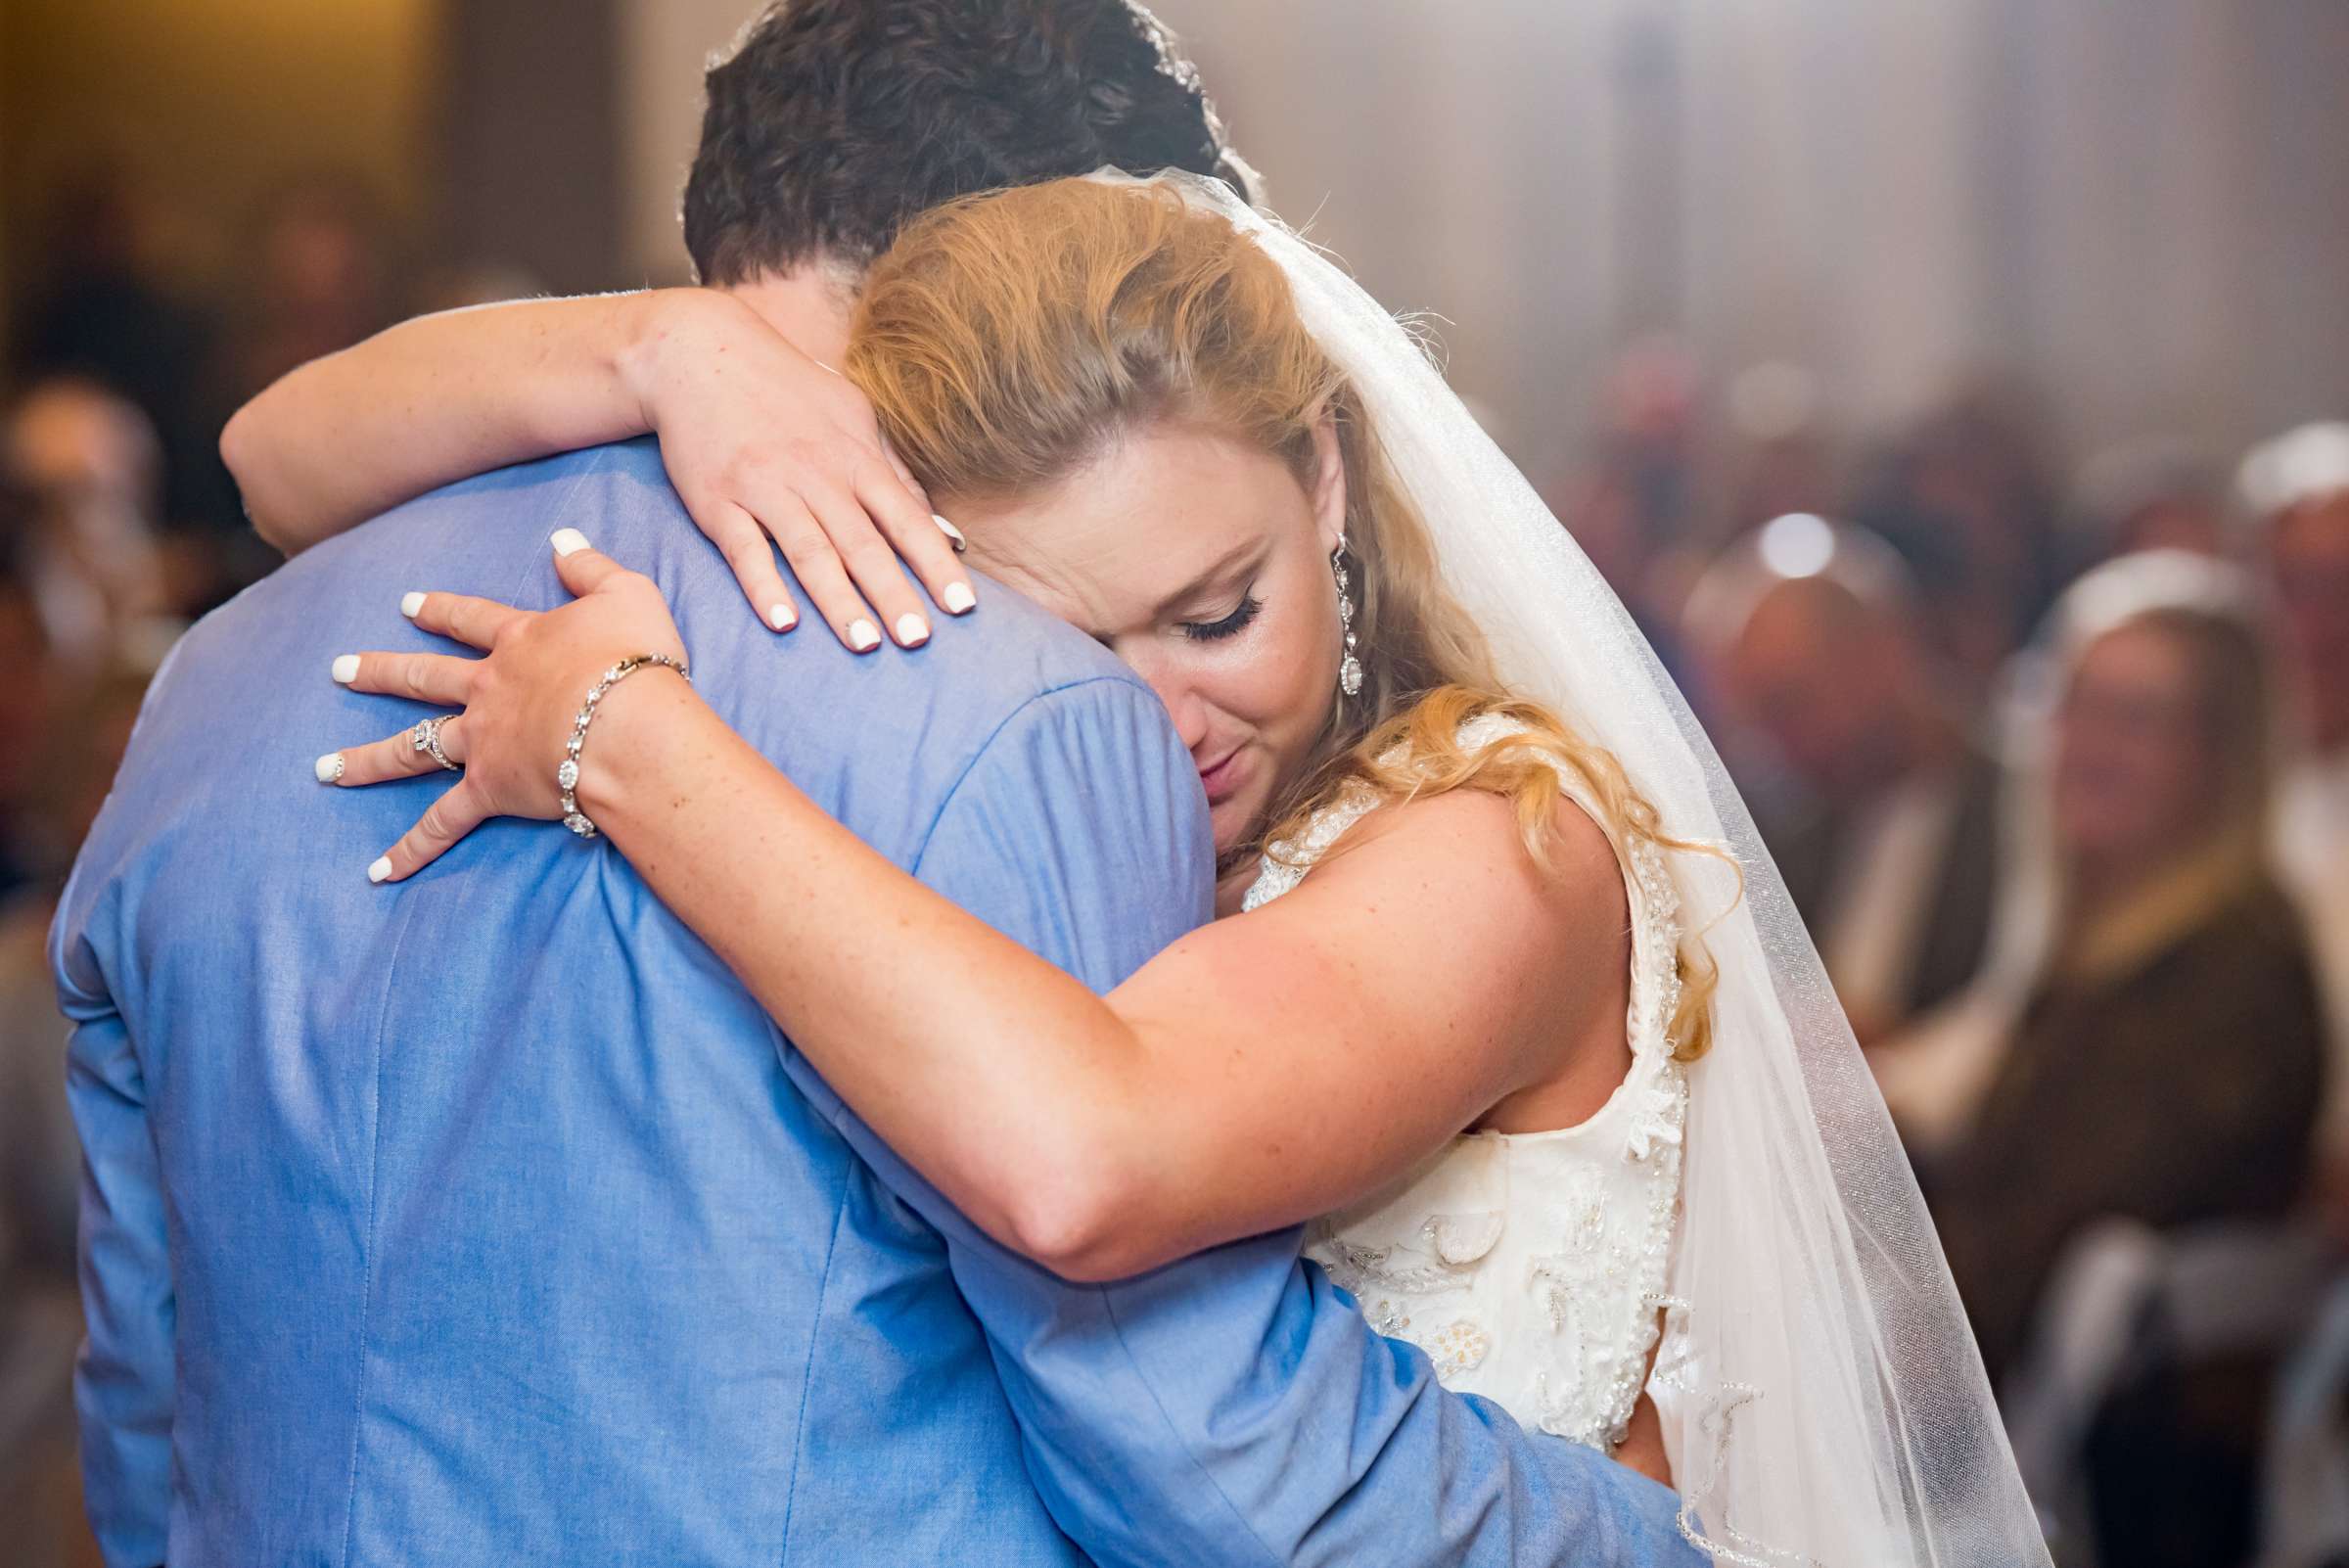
(482, 534)
(619, 488)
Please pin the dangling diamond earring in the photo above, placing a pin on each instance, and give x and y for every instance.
(1349, 671)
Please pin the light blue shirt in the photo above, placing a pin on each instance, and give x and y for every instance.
(486, 1218)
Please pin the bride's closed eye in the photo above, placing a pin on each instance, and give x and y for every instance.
(1231, 625)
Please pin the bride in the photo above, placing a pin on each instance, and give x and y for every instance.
(1505, 997)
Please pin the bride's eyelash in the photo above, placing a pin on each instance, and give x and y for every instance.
(1231, 625)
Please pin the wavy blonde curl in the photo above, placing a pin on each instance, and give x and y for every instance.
(1007, 340)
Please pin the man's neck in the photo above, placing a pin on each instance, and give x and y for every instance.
(809, 304)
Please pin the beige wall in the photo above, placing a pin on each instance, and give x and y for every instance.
(2144, 207)
(664, 46)
(213, 100)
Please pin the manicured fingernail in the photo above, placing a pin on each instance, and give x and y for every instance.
(330, 769)
(380, 869)
(951, 532)
(912, 630)
(960, 599)
(410, 604)
(782, 617)
(568, 542)
(863, 636)
(346, 669)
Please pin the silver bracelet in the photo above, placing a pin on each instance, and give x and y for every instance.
(566, 773)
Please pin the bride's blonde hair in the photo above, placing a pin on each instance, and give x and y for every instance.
(1006, 340)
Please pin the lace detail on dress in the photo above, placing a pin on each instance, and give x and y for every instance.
(1531, 1268)
(1286, 860)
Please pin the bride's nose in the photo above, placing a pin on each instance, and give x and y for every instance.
(1186, 708)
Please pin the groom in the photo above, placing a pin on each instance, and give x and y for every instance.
(486, 1218)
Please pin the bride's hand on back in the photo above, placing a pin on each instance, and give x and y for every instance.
(513, 703)
(764, 443)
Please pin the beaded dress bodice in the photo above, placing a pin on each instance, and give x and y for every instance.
(1530, 1267)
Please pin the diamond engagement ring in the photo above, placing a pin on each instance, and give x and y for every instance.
(426, 737)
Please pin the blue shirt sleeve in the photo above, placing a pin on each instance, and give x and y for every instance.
(124, 1381)
(1232, 1407)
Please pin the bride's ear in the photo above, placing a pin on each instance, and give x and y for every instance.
(1328, 492)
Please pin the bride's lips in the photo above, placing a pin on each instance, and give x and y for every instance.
(1223, 779)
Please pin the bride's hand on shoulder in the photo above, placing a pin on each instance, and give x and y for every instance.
(764, 443)
(512, 703)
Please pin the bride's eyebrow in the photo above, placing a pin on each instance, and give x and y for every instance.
(1239, 561)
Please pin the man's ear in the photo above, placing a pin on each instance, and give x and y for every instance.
(1327, 492)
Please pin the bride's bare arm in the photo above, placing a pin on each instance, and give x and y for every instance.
(1265, 1069)
(760, 441)
(444, 396)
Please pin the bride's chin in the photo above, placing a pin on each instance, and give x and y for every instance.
(1228, 827)
(1233, 823)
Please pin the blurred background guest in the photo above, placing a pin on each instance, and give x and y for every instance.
(89, 463)
(2154, 492)
(1888, 833)
(2294, 492)
(2166, 1047)
(103, 306)
(1634, 503)
(2163, 1051)
(28, 708)
(53, 776)
(322, 277)
(1784, 458)
(1963, 495)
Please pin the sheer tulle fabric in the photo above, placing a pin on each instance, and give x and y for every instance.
(1824, 1400)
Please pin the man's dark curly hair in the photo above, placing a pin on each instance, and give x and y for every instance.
(834, 121)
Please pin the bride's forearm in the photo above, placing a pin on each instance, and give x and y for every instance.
(1009, 1085)
(443, 397)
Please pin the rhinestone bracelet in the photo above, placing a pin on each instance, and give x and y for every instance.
(566, 773)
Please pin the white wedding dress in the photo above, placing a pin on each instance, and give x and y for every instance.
(1530, 1267)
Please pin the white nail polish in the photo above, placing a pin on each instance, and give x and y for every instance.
(863, 636)
(568, 542)
(346, 669)
(951, 532)
(912, 629)
(330, 769)
(960, 599)
(782, 617)
(380, 869)
(410, 604)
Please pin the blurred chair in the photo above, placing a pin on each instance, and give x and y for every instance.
(2126, 1301)
(2307, 1483)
